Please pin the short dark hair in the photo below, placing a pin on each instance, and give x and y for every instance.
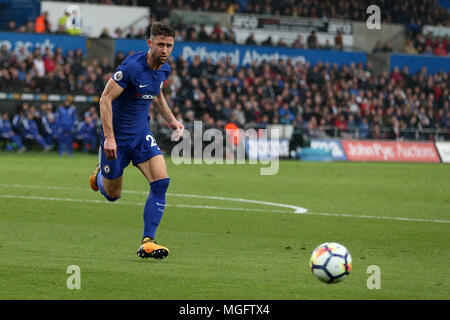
(161, 29)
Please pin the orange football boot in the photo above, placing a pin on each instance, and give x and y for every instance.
(93, 178)
(150, 249)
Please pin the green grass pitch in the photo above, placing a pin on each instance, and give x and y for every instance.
(392, 215)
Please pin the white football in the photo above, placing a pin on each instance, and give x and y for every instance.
(330, 262)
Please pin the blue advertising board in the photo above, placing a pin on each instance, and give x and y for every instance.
(130, 45)
(335, 146)
(434, 64)
(15, 41)
(241, 55)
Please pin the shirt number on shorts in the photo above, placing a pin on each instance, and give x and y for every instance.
(150, 137)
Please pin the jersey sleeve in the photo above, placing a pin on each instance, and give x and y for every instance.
(123, 75)
(167, 71)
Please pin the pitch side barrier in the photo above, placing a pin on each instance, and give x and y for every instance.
(383, 151)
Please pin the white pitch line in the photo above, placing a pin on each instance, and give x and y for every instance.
(305, 212)
(266, 203)
(9, 196)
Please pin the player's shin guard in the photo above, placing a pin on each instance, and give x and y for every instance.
(101, 187)
(154, 206)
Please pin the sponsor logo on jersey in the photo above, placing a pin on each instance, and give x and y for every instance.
(145, 96)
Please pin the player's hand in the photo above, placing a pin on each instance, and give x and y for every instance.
(178, 130)
(110, 148)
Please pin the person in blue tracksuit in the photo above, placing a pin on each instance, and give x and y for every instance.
(31, 131)
(87, 132)
(49, 127)
(7, 133)
(66, 116)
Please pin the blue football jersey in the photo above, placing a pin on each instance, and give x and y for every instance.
(141, 85)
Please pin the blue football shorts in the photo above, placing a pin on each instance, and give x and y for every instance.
(137, 150)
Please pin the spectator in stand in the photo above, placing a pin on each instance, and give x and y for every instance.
(341, 124)
(41, 24)
(218, 29)
(396, 75)
(298, 43)
(105, 34)
(339, 41)
(409, 48)
(62, 22)
(203, 34)
(439, 47)
(387, 47)
(230, 35)
(251, 40)
(117, 33)
(378, 47)
(29, 27)
(428, 51)
(312, 40)
(267, 42)
(11, 27)
(281, 43)
(49, 62)
(286, 115)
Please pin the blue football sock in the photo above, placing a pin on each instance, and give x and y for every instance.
(102, 188)
(154, 206)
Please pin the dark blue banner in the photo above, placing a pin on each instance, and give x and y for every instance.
(416, 62)
(20, 11)
(14, 41)
(130, 45)
(244, 55)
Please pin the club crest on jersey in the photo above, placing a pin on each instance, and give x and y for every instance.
(118, 75)
(106, 169)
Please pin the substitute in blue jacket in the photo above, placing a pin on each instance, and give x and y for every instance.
(66, 119)
(7, 133)
(49, 127)
(31, 131)
(87, 131)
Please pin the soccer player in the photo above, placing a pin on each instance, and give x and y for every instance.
(124, 111)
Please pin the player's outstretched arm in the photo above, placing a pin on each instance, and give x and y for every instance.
(160, 103)
(112, 91)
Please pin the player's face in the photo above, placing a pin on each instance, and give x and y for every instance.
(161, 48)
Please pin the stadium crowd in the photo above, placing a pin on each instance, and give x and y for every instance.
(414, 14)
(418, 11)
(319, 100)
